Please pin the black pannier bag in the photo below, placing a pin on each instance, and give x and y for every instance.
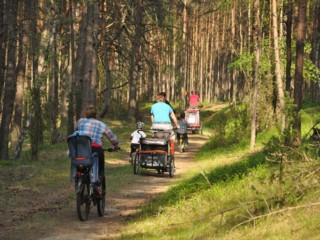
(154, 144)
(80, 151)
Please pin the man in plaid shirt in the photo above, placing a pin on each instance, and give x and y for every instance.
(96, 129)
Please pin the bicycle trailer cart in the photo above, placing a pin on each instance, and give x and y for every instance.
(155, 153)
(193, 120)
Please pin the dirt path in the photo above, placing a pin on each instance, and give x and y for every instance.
(122, 205)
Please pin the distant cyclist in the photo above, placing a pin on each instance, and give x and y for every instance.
(194, 99)
(96, 129)
(136, 136)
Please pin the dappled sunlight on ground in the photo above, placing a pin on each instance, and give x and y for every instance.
(124, 204)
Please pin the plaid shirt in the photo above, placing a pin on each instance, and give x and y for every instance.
(183, 124)
(95, 129)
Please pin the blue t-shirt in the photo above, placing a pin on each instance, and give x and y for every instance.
(161, 112)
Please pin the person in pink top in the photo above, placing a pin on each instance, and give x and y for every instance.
(194, 99)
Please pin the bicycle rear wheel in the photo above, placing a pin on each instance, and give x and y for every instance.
(83, 201)
(101, 203)
(171, 166)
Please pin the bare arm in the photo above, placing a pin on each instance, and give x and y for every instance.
(173, 116)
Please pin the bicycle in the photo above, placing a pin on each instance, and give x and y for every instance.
(87, 195)
(182, 142)
(85, 164)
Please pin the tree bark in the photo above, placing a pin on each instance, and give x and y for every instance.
(3, 41)
(257, 47)
(54, 91)
(278, 64)
(72, 81)
(36, 122)
(135, 60)
(10, 81)
(315, 52)
(78, 72)
(89, 84)
(298, 75)
(289, 9)
(21, 70)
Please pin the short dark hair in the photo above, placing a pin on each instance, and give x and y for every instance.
(90, 112)
(163, 94)
(160, 98)
(182, 115)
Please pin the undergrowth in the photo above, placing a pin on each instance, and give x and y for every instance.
(267, 194)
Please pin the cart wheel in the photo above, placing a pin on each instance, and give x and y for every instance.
(136, 164)
(171, 166)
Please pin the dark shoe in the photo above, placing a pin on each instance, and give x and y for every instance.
(97, 191)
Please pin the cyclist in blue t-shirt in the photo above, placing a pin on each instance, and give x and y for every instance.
(160, 115)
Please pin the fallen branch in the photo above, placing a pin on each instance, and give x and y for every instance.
(104, 90)
(273, 213)
(205, 176)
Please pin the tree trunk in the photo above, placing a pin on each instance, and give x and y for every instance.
(233, 86)
(3, 41)
(315, 52)
(36, 124)
(21, 70)
(278, 64)
(11, 79)
(298, 75)
(135, 61)
(53, 92)
(72, 96)
(183, 56)
(289, 8)
(257, 47)
(89, 84)
(78, 72)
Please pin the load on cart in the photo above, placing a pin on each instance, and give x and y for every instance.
(155, 153)
(193, 119)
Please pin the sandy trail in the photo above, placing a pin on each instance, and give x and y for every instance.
(123, 204)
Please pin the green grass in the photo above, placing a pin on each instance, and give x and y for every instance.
(230, 186)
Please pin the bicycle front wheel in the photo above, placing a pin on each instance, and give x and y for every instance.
(180, 146)
(136, 164)
(83, 201)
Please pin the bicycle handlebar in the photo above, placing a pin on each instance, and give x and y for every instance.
(162, 130)
(114, 149)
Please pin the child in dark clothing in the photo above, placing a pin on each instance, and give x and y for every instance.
(182, 130)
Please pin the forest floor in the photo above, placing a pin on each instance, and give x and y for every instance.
(53, 216)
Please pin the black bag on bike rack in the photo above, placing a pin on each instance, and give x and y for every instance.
(80, 151)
